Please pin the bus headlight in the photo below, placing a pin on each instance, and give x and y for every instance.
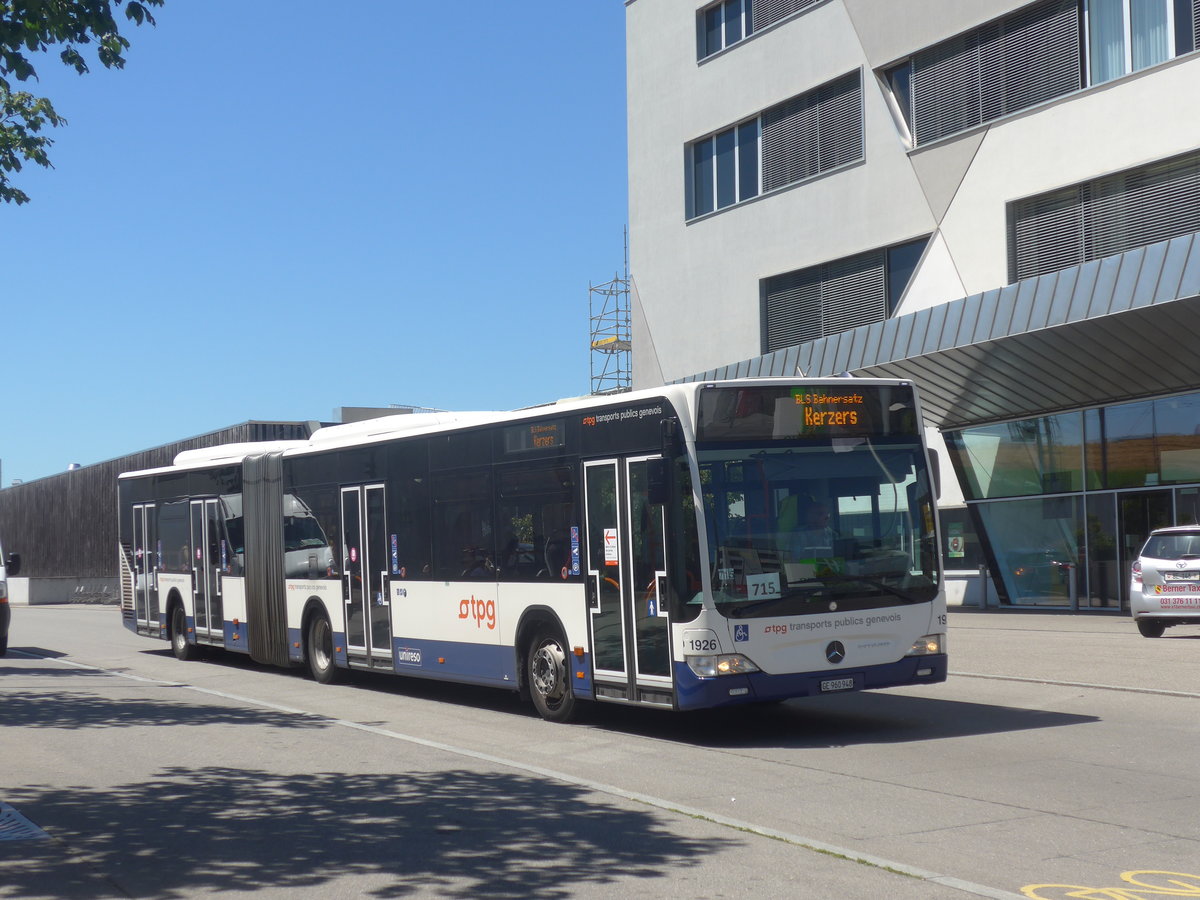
(726, 664)
(928, 645)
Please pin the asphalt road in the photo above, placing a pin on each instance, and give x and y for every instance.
(1058, 759)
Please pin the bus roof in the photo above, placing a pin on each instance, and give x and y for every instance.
(384, 427)
(231, 452)
(390, 426)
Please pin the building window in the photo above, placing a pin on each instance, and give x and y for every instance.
(996, 69)
(1103, 217)
(1126, 36)
(1048, 488)
(1145, 443)
(836, 296)
(813, 133)
(1042, 455)
(768, 12)
(899, 82)
(724, 168)
(960, 539)
(1153, 442)
(723, 24)
(1038, 548)
(1036, 54)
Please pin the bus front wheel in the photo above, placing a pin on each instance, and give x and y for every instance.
(178, 634)
(319, 650)
(549, 677)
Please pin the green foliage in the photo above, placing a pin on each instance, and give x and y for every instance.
(522, 527)
(34, 26)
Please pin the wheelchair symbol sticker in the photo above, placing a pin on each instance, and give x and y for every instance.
(741, 632)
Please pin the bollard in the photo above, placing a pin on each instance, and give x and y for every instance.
(983, 586)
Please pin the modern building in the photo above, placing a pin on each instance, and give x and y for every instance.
(999, 200)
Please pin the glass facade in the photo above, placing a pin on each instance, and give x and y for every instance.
(1062, 503)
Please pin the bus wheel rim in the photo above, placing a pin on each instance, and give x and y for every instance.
(548, 667)
(321, 644)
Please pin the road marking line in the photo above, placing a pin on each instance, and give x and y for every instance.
(967, 887)
(1080, 684)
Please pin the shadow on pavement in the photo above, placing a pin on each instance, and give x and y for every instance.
(187, 832)
(848, 720)
(80, 709)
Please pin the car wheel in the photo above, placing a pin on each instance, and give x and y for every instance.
(1151, 628)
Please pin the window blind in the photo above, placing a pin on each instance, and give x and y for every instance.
(825, 299)
(812, 133)
(1104, 217)
(996, 69)
(768, 12)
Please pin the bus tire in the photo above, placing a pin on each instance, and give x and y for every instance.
(318, 649)
(177, 632)
(549, 676)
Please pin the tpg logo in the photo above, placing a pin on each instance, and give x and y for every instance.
(479, 610)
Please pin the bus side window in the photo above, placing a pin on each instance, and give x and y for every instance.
(464, 545)
(174, 532)
(534, 512)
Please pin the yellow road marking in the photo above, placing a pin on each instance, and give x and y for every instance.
(1140, 884)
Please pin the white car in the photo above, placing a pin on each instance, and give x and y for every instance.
(1165, 589)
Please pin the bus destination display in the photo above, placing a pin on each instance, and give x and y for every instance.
(808, 411)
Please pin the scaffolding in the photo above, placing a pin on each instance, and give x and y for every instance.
(611, 335)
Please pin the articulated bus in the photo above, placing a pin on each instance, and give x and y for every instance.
(699, 545)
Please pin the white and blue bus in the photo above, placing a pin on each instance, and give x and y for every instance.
(698, 545)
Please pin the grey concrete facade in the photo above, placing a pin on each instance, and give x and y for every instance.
(697, 284)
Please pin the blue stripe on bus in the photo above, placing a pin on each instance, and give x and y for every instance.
(693, 692)
(295, 642)
(235, 637)
(484, 664)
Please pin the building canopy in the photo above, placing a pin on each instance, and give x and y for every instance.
(1106, 331)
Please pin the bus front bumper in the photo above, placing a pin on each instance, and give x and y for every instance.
(693, 692)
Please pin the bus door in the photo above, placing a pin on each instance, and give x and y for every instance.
(627, 582)
(206, 569)
(365, 582)
(145, 594)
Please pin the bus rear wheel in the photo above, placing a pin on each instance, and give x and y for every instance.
(548, 676)
(177, 631)
(319, 650)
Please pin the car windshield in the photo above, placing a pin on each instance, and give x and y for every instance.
(1173, 546)
(810, 527)
(302, 533)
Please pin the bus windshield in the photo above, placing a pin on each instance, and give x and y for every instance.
(806, 521)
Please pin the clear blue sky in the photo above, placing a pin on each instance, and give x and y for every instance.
(281, 207)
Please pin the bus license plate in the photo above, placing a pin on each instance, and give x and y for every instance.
(837, 684)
